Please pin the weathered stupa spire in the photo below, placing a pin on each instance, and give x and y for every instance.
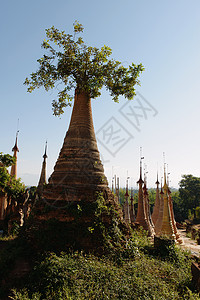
(42, 179)
(147, 205)
(141, 218)
(158, 223)
(78, 173)
(166, 228)
(132, 211)
(157, 203)
(126, 204)
(13, 171)
(172, 213)
(117, 191)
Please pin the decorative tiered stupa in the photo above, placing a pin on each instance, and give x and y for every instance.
(141, 217)
(126, 206)
(77, 187)
(132, 211)
(147, 206)
(78, 173)
(42, 180)
(157, 203)
(158, 222)
(13, 171)
(172, 214)
(164, 226)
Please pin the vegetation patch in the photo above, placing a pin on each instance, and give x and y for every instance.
(93, 227)
(79, 276)
(134, 272)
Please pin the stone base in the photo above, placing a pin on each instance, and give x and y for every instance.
(78, 225)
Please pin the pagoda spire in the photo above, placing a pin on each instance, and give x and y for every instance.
(126, 204)
(132, 211)
(42, 179)
(147, 205)
(158, 222)
(141, 218)
(13, 171)
(117, 190)
(166, 228)
(172, 213)
(157, 203)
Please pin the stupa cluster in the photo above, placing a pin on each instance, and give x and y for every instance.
(160, 223)
(78, 176)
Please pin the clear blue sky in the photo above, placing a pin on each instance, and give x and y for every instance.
(163, 35)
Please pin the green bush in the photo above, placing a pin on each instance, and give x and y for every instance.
(79, 276)
(128, 273)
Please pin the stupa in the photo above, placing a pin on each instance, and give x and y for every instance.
(132, 211)
(147, 206)
(173, 218)
(42, 180)
(126, 206)
(166, 226)
(158, 222)
(76, 185)
(141, 217)
(157, 203)
(13, 171)
(78, 173)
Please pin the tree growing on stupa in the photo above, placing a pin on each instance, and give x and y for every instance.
(81, 67)
(78, 174)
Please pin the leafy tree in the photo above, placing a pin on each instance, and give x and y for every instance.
(152, 197)
(179, 213)
(189, 194)
(7, 160)
(73, 64)
(8, 184)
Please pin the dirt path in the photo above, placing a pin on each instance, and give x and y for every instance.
(188, 243)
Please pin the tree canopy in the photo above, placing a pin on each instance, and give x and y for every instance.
(8, 184)
(189, 193)
(72, 63)
(7, 160)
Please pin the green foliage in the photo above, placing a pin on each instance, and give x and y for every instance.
(23, 295)
(15, 229)
(166, 249)
(70, 62)
(8, 184)
(82, 276)
(15, 188)
(96, 224)
(177, 206)
(7, 160)
(189, 195)
(112, 231)
(78, 276)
